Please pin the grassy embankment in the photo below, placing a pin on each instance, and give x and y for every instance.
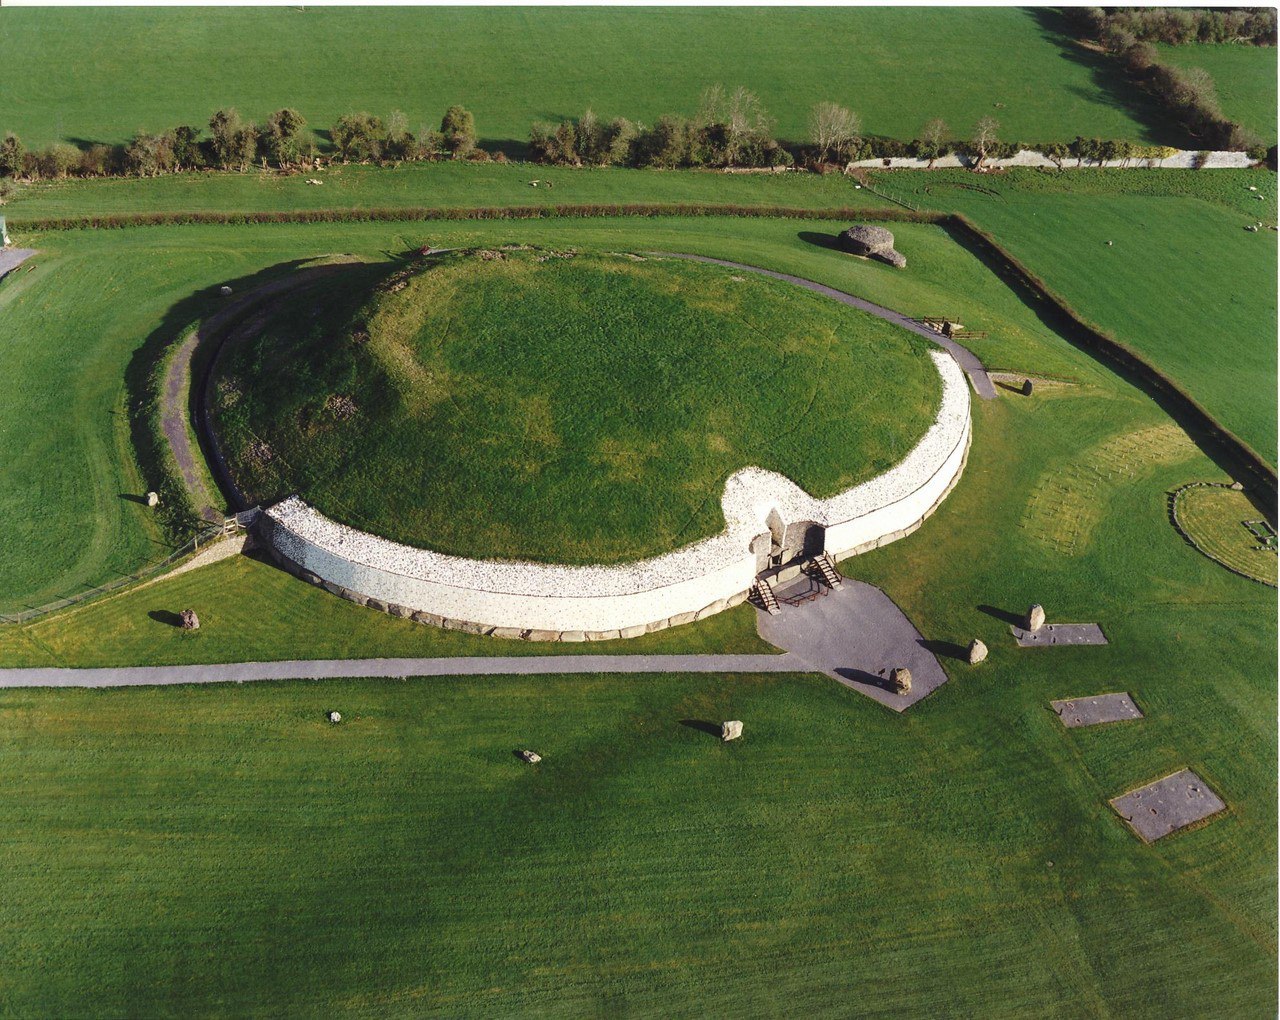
(593, 404)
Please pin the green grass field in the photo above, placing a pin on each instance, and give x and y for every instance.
(595, 404)
(224, 850)
(897, 67)
(244, 856)
(1245, 77)
(1218, 521)
(1182, 282)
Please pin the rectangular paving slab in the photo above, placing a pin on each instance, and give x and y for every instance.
(1167, 805)
(1054, 634)
(1100, 708)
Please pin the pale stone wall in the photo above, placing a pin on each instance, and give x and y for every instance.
(1183, 159)
(537, 601)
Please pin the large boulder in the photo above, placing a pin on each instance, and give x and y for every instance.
(1035, 617)
(864, 239)
(977, 652)
(901, 680)
(188, 620)
(731, 730)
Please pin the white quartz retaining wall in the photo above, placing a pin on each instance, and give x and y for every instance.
(543, 602)
(1182, 159)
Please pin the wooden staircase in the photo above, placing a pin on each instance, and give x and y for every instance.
(824, 566)
(763, 591)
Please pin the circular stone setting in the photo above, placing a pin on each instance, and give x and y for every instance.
(560, 406)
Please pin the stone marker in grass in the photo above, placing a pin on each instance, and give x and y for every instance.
(1167, 805)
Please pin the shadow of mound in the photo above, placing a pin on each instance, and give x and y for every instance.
(165, 616)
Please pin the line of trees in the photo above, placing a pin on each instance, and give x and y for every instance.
(1177, 26)
(1188, 94)
(729, 129)
(232, 143)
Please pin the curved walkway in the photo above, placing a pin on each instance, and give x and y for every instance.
(318, 669)
(967, 360)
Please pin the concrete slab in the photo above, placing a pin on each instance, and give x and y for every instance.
(1100, 708)
(1054, 634)
(1167, 805)
(856, 635)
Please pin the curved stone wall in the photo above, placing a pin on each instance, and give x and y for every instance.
(536, 601)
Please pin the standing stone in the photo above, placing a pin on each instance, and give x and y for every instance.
(1035, 617)
(901, 679)
(189, 620)
(977, 652)
(1026, 387)
(1237, 487)
(731, 730)
(153, 499)
(335, 717)
(224, 291)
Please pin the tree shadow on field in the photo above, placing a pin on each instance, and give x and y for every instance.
(829, 241)
(166, 617)
(1112, 87)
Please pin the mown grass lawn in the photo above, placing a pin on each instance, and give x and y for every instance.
(1245, 80)
(897, 67)
(224, 849)
(562, 407)
(1182, 282)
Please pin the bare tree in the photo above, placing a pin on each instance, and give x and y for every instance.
(933, 137)
(835, 131)
(984, 136)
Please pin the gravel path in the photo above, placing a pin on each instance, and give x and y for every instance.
(967, 360)
(314, 669)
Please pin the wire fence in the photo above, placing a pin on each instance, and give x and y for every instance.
(227, 526)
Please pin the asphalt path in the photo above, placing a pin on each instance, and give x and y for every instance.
(318, 669)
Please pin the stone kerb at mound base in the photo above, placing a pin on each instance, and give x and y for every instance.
(545, 602)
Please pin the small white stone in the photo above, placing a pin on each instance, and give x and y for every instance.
(335, 717)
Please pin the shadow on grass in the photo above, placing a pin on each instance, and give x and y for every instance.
(702, 726)
(131, 498)
(1003, 615)
(144, 382)
(829, 241)
(948, 649)
(1111, 85)
(166, 617)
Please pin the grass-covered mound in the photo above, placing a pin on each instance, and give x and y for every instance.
(559, 406)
